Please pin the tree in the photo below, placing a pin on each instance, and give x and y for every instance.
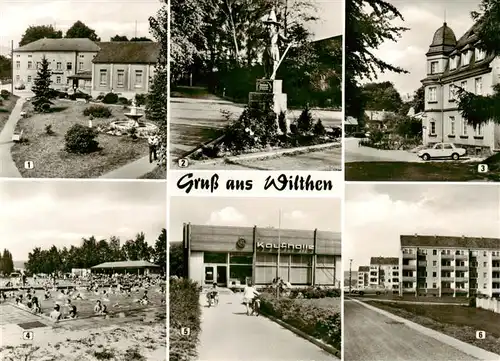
(7, 263)
(382, 96)
(142, 38)
(5, 67)
(418, 102)
(41, 87)
(176, 260)
(480, 109)
(119, 38)
(80, 30)
(368, 26)
(34, 33)
(160, 250)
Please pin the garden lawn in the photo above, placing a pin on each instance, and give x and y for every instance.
(460, 322)
(409, 171)
(412, 298)
(192, 92)
(48, 153)
(6, 109)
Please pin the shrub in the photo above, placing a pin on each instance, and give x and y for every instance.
(97, 111)
(185, 311)
(5, 94)
(48, 129)
(100, 97)
(110, 98)
(133, 133)
(124, 101)
(1, 101)
(45, 107)
(305, 121)
(282, 122)
(318, 128)
(81, 139)
(140, 99)
(358, 135)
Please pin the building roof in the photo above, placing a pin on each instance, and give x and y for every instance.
(127, 52)
(377, 115)
(81, 75)
(364, 269)
(383, 261)
(350, 121)
(444, 40)
(449, 242)
(65, 44)
(126, 264)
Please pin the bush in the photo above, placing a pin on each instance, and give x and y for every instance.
(45, 107)
(185, 311)
(81, 139)
(5, 94)
(110, 98)
(124, 101)
(97, 111)
(140, 99)
(319, 322)
(48, 129)
(100, 97)
(282, 122)
(358, 135)
(305, 121)
(313, 292)
(318, 128)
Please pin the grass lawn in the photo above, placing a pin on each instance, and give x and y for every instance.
(460, 322)
(47, 151)
(192, 92)
(403, 171)
(6, 109)
(157, 173)
(412, 298)
(328, 303)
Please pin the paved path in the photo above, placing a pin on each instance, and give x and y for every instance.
(228, 334)
(133, 170)
(355, 153)
(8, 168)
(370, 335)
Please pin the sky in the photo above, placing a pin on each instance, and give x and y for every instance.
(377, 214)
(38, 213)
(423, 17)
(331, 19)
(296, 213)
(106, 17)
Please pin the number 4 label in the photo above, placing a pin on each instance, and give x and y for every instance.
(480, 335)
(28, 335)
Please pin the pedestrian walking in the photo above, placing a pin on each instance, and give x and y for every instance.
(153, 147)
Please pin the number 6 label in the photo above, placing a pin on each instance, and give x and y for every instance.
(480, 335)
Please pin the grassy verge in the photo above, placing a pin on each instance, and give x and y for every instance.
(185, 311)
(6, 109)
(404, 171)
(319, 318)
(460, 322)
(411, 298)
(192, 92)
(48, 153)
(160, 172)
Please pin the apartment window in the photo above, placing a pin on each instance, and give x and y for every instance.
(138, 78)
(432, 94)
(30, 56)
(485, 275)
(463, 85)
(69, 65)
(452, 93)
(59, 66)
(434, 274)
(18, 56)
(120, 78)
(30, 64)
(58, 80)
(465, 58)
(434, 263)
(434, 67)
(480, 54)
(80, 65)
(38, 65)
(464, 126)
(452, 126)
(479, 85)
(81, 55)
(103, 77)
(18, 77)
(479, 130)
(485, 254)
(433, 127)
(18, 65)
(434, 252)
(485, 285)
(485, 264)
(29, 78)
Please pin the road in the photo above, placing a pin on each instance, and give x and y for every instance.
(355, 153)
(371, 336)
(228, 334)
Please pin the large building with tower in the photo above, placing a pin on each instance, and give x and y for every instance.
(233, 256)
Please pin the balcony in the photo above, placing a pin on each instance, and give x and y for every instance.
(461, 256)
(447, 278)
(496, 268)
(409, 279)
(447, 268)
(495, 257)
(409, 256)
(461, 279)
(422, 263)
(447, 256)
(409, 266)
(462, 268)
(446, 290)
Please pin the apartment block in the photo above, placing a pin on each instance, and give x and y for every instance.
(450, 266)
(363, 274)
(384, 272)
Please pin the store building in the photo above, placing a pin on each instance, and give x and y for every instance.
(232, 256)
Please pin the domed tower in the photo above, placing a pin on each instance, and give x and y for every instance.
(443, 43)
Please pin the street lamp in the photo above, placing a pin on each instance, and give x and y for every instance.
(350, 276)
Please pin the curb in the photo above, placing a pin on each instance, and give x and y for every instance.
(330, 349)
(270, 154)
(464, 347)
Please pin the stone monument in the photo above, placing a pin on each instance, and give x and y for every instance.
(268, 93)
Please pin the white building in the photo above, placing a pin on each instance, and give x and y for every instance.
(384, 272)
(453, 64)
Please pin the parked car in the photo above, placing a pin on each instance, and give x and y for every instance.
(20, 86)
(442, 150)
(375, 290)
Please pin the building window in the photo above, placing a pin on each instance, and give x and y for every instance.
(485, 264)
(465, 58)
(138, 78)
(485, 254)
(463, 85)
(434, 263)
(434, 274)
(479, 130)
(434, 252)
(29, 78)
(210, 257)
(18, 65)
(30, 64)
(434, 285)
(453, 63)
(479, 86)
(433, 127)
(58, 80)
(452, 125)
(434, 67)
(80, 65)
(30, 56)
(103, 77)
(485, 285)
(69, 65)
(38, 65)
(58, 66)
(485, 275)
(18, 77)
(464, 126)
(432, 94)
(452, 92)
(480, 54)
(81, 55)
(120, 78)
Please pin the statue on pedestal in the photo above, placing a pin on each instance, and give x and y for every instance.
(271, 57)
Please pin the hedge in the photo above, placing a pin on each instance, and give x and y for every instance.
(185, 311)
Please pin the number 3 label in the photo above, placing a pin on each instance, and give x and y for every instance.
(482, 168)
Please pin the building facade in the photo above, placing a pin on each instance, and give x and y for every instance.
(68, 58)
(363, 274)
(452, 65)
(232, 256)
(125, 68)
(384, 272)
(450, 266)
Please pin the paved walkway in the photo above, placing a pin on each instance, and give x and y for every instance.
(133, 170)
(228, 334)
(8, 168)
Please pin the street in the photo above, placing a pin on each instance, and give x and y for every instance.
(355, 153)
(228, 334)
(370, 336)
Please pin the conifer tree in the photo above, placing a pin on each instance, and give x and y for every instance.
(41, 88)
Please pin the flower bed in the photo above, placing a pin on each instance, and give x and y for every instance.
(185, 311)
(319, 320)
